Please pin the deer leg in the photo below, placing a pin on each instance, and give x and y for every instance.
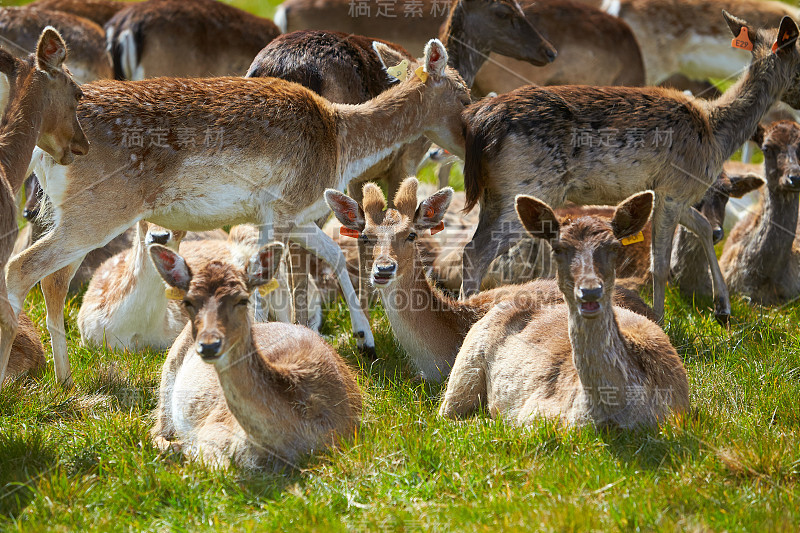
(665, 219)
(492, 237)
(299, 278)
(699, 225)
(313, 239)
(466, 386)
(443, 174)
(54, 288)
(355, 191)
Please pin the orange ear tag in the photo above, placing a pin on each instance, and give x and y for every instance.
(347, 232)
(743, 40)
(633, 239)
(267, 288)
(421, 74)
(437, 228)
(174, 293)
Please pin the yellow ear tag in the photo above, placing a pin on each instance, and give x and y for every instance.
(633, 239)
(267, 288)
(421, 74)
(174, 293)
(399, 71)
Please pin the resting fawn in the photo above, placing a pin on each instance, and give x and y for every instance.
(252, 393)
(584, 362)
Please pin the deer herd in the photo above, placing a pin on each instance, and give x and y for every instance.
(139, 130)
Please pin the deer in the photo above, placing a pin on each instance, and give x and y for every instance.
(594, 48)
(38, 99)
(98, 11)
(253, 394)
(258, 172)
(532, 141)
(761, 259)
(582, 362)
(429, 325)
(27, 353)
(88, 59)
(182, 39)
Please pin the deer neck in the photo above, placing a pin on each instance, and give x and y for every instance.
(773, 238)
(20, 127)
(370, 131)
(141, 285)
(465, 54)
(599, 355)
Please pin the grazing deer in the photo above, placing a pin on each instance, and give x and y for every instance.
(427, 324)
(98, 11)
(594, 48)
(254, 393)
(88, 59)
(761, 259)
(585, 362)
(38, 100)
(271, 136)
(200, 38)
(532, 140)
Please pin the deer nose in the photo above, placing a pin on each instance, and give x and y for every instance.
(794, 181)
(209, 349)
(158, 237)
(551, 54)
(717, 234)
(30, 214)
(590, 294)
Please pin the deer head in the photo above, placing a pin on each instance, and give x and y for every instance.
(780, 142)
(585, 249)
(443, 95)
(715, 200)
(217, 296)
(389, 234)
(154, 234)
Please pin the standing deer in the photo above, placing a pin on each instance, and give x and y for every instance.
(276, 147)
(196, 38)
(38, 100)
(532, 140)
(586, 362)
(98, 11)
(761, 258)
(427, 324)
(252, 393)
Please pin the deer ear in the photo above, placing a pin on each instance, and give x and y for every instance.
(346, 210)
(171, 266)
(787, 35)
(51, 52)
(405, 199)
(537, 217)
(264, 264)
(432, 209)
(435, 58)
(736, 24)
(7, 62)
(632, 214)
(741, 185)
(389, 56)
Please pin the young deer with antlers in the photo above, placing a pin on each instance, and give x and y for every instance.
(428, 325)
(259, 172)
(254, 393)
(529, 141)
(38, 99)
(584, 362)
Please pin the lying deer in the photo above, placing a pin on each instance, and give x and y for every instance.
(185, 39)
(27, 352)
(257, 169)
(38, 100)
(427, 324)
(88, 59)
(98, 11)
(583, 362)
(761, 259)
(532, 140)
(252, 393)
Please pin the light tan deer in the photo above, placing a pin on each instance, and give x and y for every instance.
(531, 141)
(761, 258)
(98, 11)
(88, 59)
(586, 362)
(427, 324)
(38, 100)
(185, 39)
(27, 352)
(252, 393)
(271, 137)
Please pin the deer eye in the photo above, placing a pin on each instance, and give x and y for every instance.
(243, 302)
(188, 305)
(411, 237)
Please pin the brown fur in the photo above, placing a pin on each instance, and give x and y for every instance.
(267, 394)
(541, 123)
(27, 352)
(98, 11)
(186, 39)
(584, 362)
(86, 41)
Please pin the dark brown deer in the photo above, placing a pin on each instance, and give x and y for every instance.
(185, 39)
(98, 11)
(586, 362)
(531, 140)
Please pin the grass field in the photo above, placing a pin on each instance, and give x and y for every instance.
(81, 459)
